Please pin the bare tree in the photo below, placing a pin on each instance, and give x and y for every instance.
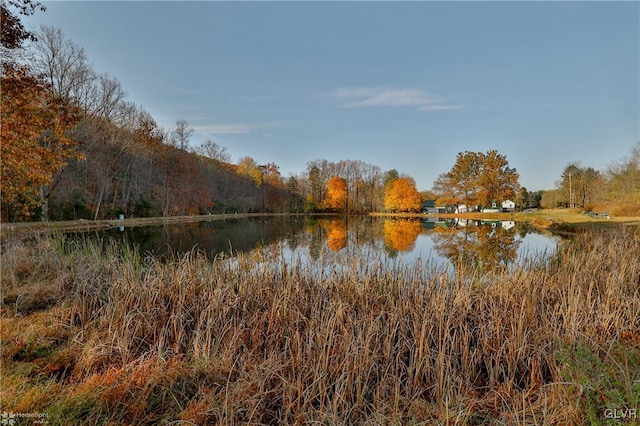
(212, 150)
(180, 135)
(108, 99)
(64, 65)
(623, 184)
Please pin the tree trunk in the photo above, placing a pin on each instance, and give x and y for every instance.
(95, 216)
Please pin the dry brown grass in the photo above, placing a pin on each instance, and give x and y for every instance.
(549, 218)
(126, 340)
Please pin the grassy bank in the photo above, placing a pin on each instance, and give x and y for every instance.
(552, 219)
(100, 336)
(557, 220)
(24, 228)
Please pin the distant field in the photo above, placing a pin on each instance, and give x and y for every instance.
(543, 218)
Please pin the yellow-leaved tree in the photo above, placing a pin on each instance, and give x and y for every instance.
(336, 234)
(401, 195)
(401, 235)
(336, 197)
(247, 166)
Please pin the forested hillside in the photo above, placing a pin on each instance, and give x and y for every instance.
(74, 146)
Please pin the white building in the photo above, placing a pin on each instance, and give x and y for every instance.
(508, 206)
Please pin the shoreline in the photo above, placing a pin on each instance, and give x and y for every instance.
(13, 228)
(556, 220)
(560, 220)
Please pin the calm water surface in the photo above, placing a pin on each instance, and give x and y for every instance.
(444, 244)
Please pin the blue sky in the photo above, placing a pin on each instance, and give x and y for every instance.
(403, 85)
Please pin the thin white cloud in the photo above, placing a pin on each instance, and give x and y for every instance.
(440, 107)
(225, 128)
(357, 97)
(238, 128)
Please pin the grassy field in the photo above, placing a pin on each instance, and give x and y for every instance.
(555, 220)
(95, 335)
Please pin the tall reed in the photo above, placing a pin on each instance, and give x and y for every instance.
(251, 340)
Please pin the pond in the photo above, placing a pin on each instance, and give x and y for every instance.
(446, 244)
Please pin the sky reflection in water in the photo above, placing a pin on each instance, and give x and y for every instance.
(353, 241)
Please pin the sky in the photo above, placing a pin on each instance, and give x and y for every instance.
(400, 85)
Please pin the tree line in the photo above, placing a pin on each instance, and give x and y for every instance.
(74, 146)
(353, 186)
(615, 190)
(479, 179)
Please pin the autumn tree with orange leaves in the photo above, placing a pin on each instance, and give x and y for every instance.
(401, 235)
(36, 141)
(401, 195)
(336, 196)
(336, 234)
(477, 246)
(478, 178)
(12, 31)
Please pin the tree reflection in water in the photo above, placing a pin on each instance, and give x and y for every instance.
(490, 247)
(336, 234)
(339, 240)
(401, 234)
